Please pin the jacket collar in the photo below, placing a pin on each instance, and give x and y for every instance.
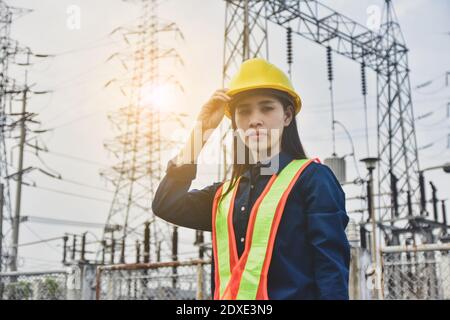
(274, 166)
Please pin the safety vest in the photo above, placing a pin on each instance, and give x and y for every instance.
(245, 278)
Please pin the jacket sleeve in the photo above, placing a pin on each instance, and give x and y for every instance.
(326, 222)
(174, 202)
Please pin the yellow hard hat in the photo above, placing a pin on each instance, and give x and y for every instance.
(258, 73)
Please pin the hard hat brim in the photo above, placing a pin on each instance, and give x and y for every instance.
(293, 94)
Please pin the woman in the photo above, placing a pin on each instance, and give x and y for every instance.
(278, 226)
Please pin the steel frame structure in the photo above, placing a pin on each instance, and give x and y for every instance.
(384, 52)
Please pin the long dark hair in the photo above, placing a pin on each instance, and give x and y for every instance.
(290, 139)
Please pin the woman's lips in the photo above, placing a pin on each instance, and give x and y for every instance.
(255, 133)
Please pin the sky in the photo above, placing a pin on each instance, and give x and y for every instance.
(77, 107)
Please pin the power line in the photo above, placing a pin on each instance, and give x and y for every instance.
(85, 116)
(68, 83)
(39, 242)
(43, 240)
(68, 156)
(71, 181)
(76, 103)
(46, 220)
(70, 194)
(89, 47)
(38, 259)
(84, 185)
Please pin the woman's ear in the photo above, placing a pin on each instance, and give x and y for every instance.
(288, 115)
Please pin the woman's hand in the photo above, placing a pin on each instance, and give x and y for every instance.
(212, 111)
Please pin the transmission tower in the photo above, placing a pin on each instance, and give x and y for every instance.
(15, 124)
(140, 143)
(6, 17)
(384, 52)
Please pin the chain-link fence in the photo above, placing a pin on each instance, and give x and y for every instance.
(188, 280)
(419, 272)
(45, 285)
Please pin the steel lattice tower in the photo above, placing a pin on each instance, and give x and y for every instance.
(5, 46)
(384, 52)
(139, 143)
(9, 50)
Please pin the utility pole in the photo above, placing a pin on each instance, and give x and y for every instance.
(373, 219)
(174, 256)
(200, 242)
(370, 163)
(16, 220)
(146, 253)
(246, 44)
(435, 200)
(74, 246)
(65, 239)
(1, 225)
(113, 248)
(103, 251)
(83, 247)
(122, 250)
(138, 251)
(444, 217)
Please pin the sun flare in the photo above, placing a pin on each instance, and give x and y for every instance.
(159, 96)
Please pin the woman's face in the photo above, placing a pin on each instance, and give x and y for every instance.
(260, 120)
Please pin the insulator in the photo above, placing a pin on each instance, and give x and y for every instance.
(363, 79)
(289, 45)
(394, 193)
(434, 200)
(444, 215)
(329, 64)
(423, 197)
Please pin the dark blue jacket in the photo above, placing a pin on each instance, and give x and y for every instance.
(311, 253)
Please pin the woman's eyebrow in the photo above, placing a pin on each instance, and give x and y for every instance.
(266, 102)
(243, 105)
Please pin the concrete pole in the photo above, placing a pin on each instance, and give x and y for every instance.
(16, 220)
(246, 44)
(374, 236)
(2, 201)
